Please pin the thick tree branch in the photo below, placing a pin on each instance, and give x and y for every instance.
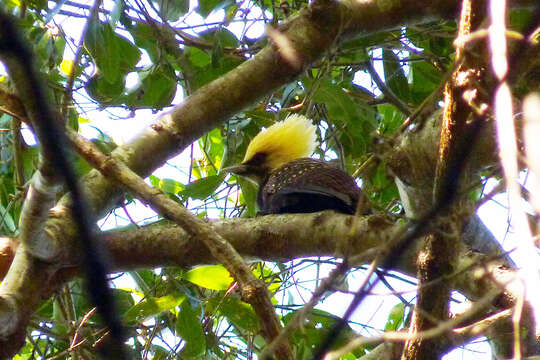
(278, 238)
(433, 262)
(22, 291)
(312, 32)
(55, 166)
(253, 290)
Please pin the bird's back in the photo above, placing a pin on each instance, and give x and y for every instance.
(308, 185)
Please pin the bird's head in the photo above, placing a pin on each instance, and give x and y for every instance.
(285, 141)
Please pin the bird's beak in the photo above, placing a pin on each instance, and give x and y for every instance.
(235, 169)
(246, 171)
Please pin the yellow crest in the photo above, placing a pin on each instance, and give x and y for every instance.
(287, 140)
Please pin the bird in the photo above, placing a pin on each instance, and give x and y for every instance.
(277, 160)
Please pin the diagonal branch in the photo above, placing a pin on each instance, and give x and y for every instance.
(312, 32)
(18, 60)
(253, 290)
(457, 132)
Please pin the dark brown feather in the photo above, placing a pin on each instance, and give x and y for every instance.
(308, 185)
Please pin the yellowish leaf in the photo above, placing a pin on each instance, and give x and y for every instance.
(67, 67)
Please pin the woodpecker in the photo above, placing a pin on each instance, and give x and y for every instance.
(291, 182)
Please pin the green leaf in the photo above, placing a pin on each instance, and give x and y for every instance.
(46, 309)
(290, 94)
(355, 120)
(354, 52)
(154, 180)
(203, 188)
(144, 37)
(113, 54)
(198, 58)
(81, 301)
(220, 62)
(214, 277)
(188, 326)
(248, 196)
(425, 79)
(103, 91)
(156, 88)
(390, 119)
(214, 71)
(437, 45)
(395, 319)
(381, 187)
(104, 142)
(123, 300)
(170, 186)
(30, 160)
(519, 19)
(146, 280)
(236, 311)
(172, 9)
(221, 37)
(207, 6)
(37, 4)
(152, 306)
(49, 48)
(214, 147)
(159, 352)
(315, 329)
(222, 65)
(395, 76)
(80, 165)
(272, 279)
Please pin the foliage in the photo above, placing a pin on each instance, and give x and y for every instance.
(147, 55)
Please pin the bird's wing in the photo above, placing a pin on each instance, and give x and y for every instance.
(316, 190)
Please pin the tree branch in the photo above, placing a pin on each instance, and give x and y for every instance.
(312, 32)
(55, 166)
(253, 290)
(433, 262)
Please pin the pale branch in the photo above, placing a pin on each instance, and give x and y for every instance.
(285, 237)
(40, 197)
(253, 290)
(466, 334)
(43, 188)
(312, 32)
(55, 167)
(278, 238)
(387, 350)
(23, 288)
(44, 185)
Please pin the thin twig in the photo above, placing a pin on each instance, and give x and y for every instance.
(68, 93)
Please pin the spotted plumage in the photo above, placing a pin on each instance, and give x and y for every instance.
(289, 181)
(308, 185)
